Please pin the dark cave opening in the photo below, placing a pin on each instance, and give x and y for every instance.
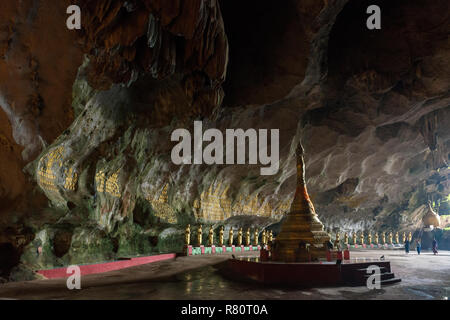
(9, 258)
(62, 242)
(267, 50)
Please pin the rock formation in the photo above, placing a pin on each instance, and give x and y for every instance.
(86, 118)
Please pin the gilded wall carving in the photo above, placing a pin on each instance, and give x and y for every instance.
(161, 207)
(46, 176)
(108, 185)
(71, 180)
(216, 205)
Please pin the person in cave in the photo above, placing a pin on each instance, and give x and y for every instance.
(418, 247)
(407, 246)
(434, 246)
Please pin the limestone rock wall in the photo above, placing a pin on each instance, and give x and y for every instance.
(371, 107)
(39, 60)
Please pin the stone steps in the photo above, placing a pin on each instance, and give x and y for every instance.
(386, 277)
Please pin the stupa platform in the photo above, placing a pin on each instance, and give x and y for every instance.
(306, 274)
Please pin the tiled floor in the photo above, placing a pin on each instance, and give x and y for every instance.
(423, 277)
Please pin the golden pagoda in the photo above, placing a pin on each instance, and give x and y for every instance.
(431, 218)
(302, 234)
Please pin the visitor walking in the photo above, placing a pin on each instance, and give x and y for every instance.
(434, 246)
(407, 246)
(418, 247)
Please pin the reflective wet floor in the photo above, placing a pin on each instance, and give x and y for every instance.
(423, 277)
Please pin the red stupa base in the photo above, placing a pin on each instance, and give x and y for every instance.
(319, 274)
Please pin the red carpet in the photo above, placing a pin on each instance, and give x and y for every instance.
(107, 266)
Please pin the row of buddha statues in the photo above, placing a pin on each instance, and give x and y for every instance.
(266, 237)
(391, 238)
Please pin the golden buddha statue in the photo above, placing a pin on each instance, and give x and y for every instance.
(247, 237)
(301, 230)
(187, 235)
(271, 236)
(337, 241)
(230, 237)
(396, 238)
(404, 237)
(383, 238)
(346, 238)
(410, 236)
(256, 234)
(354, 238)
(361, 237)
(390, 237)
(221, 236)
(240, 237)
(263, 238)
(369, 238)
(376, 238)
(211, 237)
(199, 235)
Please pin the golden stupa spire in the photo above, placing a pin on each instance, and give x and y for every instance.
(302, 234)
(301, 201)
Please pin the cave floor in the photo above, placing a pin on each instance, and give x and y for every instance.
(423, 277)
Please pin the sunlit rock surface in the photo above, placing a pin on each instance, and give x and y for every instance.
(371, 107)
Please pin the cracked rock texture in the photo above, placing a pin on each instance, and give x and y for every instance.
(93, 133)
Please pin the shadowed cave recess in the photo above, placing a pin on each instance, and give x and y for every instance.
(86, 118)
